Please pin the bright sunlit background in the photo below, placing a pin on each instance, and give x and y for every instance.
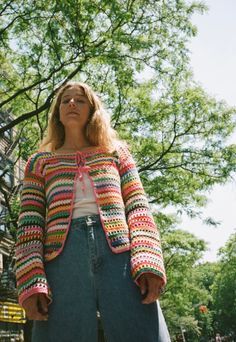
(213, 60)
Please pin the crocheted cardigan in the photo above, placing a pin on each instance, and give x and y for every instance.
(46, 209)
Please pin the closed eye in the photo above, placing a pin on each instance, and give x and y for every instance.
(66, 101)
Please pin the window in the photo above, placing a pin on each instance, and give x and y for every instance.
(5, 119)
(7, 170)
(9, 179)
(1, 263)
(3, 213)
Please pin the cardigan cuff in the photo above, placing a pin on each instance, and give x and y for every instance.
(34, 290)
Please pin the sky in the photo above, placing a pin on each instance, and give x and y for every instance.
(213, 61)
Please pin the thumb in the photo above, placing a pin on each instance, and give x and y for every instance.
(43, 302)
(143, 284)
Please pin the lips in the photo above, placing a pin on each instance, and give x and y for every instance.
(73, 113)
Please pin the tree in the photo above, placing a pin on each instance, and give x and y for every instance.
(188, 302)
(224, 290)
(47, 44)
(177, 132)
(134, 53)
(204, 276)
(183, 294)
(183, 151)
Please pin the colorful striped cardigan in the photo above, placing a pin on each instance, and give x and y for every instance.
(46, 209)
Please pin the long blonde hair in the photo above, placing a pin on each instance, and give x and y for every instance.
(98, 130)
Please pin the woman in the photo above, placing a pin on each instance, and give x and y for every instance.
(86, 239)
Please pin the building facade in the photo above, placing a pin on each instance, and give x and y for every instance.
(12, 317)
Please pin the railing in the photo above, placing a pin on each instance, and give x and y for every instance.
(11, 336)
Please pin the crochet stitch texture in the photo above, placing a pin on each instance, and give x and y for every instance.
(46, 209)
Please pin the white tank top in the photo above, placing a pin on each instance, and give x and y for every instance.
(84, 200)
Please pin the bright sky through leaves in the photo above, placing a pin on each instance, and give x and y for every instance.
(213, 54)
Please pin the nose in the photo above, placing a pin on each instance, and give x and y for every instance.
(72, 102)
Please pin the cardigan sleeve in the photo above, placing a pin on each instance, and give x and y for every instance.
(146, 253)
(30, 274)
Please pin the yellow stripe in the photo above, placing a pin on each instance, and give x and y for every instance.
(11, 312)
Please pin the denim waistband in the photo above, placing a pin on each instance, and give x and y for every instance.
(86, 219)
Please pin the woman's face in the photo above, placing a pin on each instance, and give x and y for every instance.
(74, 108)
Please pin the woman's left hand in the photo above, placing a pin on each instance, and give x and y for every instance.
(151, 285)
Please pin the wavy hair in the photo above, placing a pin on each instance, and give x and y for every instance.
(98, 130)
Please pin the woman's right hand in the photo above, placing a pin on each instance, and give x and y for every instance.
(36, 307)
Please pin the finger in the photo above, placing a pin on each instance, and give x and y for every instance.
(34, 314)
(37, 317)
(40, 317)
(143, 284)
(151, 298)
(154, 287)
(153, 291)
(42, 304)
(31, 307)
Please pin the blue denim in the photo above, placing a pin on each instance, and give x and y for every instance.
(88, 277)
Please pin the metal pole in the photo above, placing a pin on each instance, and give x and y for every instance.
(182, 332)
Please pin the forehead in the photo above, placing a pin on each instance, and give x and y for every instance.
(72, 91)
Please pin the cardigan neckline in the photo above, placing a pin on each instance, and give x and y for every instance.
(86, 151)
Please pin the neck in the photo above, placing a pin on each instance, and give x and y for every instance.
(75, 140)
